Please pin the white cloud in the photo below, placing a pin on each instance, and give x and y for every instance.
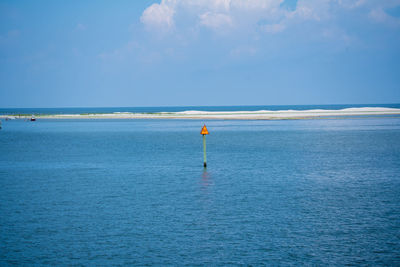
(305, 12)
(215, 14)
(211, 5)
(351, 3)
(312, 10)
(215, 21)
(247, 15)
(256, 4)
(379, 15)
(159, 16)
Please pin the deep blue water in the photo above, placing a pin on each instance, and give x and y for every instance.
(37, 111)
(134, 192)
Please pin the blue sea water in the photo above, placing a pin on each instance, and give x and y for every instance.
(134, 192)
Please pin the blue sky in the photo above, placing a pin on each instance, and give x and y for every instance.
(203, 52)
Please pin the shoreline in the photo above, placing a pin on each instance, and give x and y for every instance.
(223, 115)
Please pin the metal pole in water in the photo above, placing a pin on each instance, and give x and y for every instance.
(204, 132)
(205, 149)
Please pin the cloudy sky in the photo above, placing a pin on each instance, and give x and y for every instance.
(199, 52)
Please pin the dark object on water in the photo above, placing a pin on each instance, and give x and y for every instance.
(33, 118)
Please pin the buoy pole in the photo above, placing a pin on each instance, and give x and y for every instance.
(204, 150)
(204, 132)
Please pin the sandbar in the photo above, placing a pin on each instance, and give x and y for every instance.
(225, 115)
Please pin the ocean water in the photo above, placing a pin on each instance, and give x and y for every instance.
(134, 192)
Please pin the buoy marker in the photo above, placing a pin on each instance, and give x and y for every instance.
(204, 132)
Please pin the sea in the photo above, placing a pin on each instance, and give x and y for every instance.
(108, 192)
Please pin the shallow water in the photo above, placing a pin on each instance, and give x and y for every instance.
(102, 192)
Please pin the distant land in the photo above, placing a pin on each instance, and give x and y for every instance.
(223, 114)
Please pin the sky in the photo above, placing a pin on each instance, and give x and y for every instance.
(198, 52)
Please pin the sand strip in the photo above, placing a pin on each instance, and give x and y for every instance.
(227, 115)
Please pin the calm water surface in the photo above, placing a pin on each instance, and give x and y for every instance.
(134, 192)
